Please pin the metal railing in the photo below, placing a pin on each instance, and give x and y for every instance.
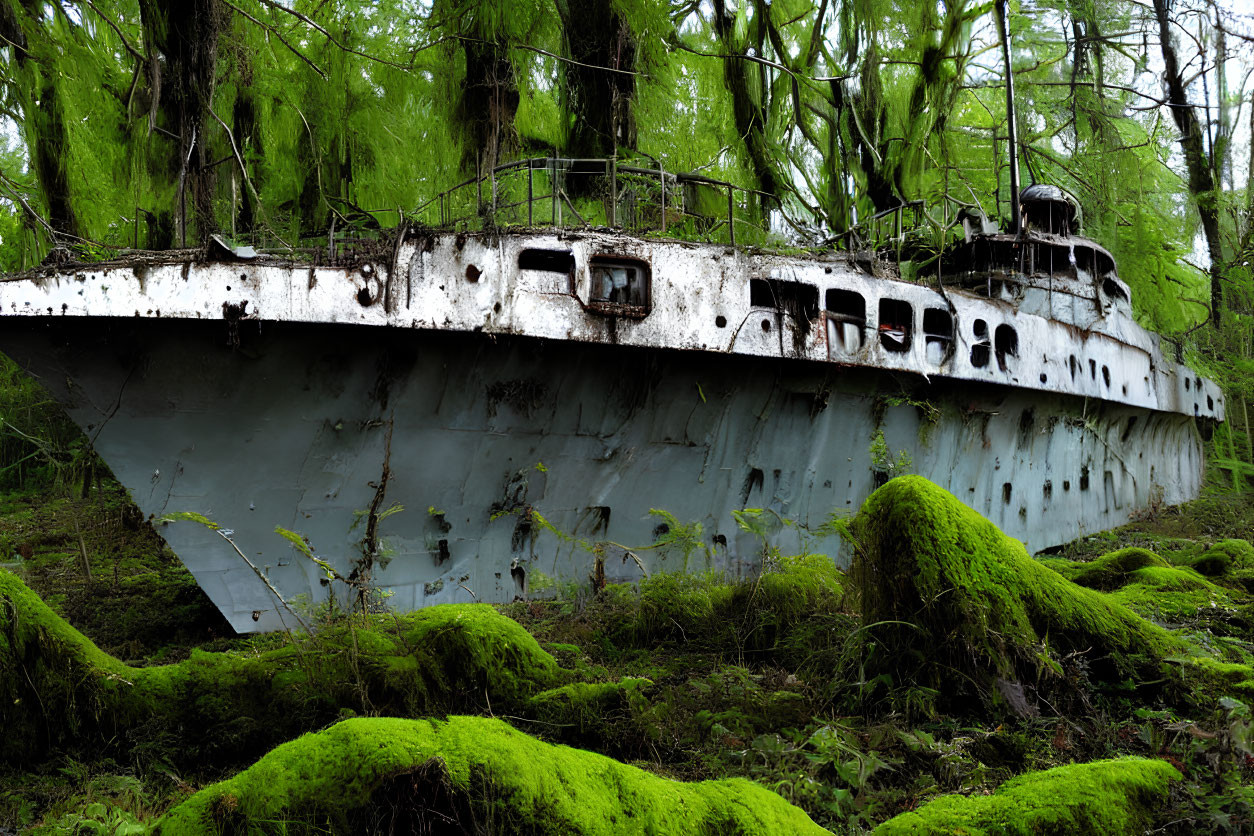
(602, 192)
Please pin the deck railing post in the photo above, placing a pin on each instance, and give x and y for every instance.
(662, 176)
(612, 215)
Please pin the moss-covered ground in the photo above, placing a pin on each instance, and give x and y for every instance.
(949, 683)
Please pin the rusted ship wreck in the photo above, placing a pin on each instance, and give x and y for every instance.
(592, 376)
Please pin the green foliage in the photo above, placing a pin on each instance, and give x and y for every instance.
(824, 769)
(190, 516)
(685, 538)
(1105, 797)
(465, 770)
(1109, 571)
(39, 445)
(784, 611)
(58, 688)
(883, 461)
(951, 603)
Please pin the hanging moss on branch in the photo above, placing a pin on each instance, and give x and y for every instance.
(952, 603)
(58, 689)
(468, 774)
(1104, 797)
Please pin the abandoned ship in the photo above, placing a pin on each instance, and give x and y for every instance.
(473, 378)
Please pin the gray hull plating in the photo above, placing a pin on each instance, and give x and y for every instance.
(309, 426)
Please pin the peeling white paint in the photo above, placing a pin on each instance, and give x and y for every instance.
(694, 286)
(502, 368)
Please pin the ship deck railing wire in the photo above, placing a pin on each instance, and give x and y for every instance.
(566, 192)
(579, 193)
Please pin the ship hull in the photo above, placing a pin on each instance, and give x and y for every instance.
(319, 428)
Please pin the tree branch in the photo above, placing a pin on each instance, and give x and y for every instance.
(132, 50)
(276, 34)
(311, 22)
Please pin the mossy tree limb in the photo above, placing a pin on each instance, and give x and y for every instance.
(58, 689)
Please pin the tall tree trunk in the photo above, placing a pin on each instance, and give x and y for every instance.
(489, 102)
(181, 37)
(1201, 176)
(600, 99)
(244, 126)
(1223, 142)
(43, 110)
(749, 85)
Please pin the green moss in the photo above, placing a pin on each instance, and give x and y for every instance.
(1241, 552)
(1205, 676)
(1224, 557)
(1105, 797)
(951, 601)
(1173, 594)
(776, 613)
(1108, 571)
(1242, 579)
(608, 716)
(58, 688)
(469, 770)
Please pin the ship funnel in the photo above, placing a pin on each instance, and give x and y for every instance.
(1004, 30)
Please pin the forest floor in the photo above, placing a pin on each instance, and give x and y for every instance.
(738, 684)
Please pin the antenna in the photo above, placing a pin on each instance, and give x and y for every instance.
(1004, 31)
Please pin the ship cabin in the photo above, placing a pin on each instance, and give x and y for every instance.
(1078, 277)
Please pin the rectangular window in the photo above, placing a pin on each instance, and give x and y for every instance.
(620, 287)
(796, 298)
(938, 334)
(551, 261)
(846, 320)
(896, 323)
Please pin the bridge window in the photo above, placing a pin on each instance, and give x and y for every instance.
(938, 334)
(799, 299)
(896, 323)
(620, 287)
(1005, 345)
(846, 317)
(550, 261)
(980, 349)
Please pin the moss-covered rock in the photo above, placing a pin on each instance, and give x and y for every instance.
(611, 717)
(1224, 557)
(462, 775)
(1204, 676)
(58, 688)
(950, 602)
(1150, 586)
(1171, 593)
(1109, 571)
(1104, 798)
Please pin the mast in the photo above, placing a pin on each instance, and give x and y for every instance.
(1004, 30)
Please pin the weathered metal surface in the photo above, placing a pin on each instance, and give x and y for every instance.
(473, 283)
(263, 394)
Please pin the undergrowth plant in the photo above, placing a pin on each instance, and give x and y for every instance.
(39, 445)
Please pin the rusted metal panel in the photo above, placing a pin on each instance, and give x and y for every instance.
(474, 376)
